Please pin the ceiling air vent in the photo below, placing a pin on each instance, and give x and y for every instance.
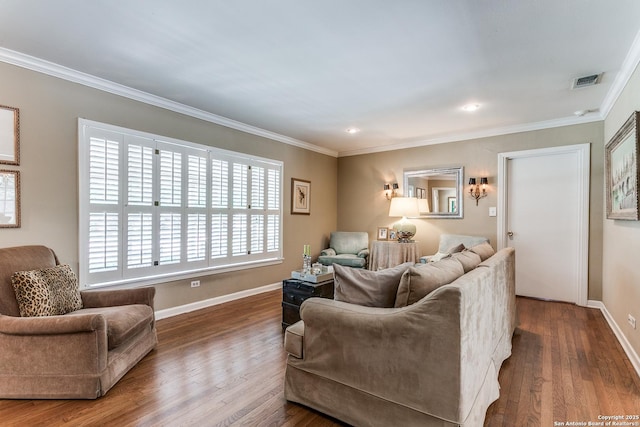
(585, 81)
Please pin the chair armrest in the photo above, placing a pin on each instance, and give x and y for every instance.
(110, 298)
(51, 325)
(328, 252)
(408, 354)
(53, 345)
(363, 253)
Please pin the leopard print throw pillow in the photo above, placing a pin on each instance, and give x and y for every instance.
(47, 292)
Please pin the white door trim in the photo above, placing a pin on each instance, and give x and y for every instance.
(584, 159)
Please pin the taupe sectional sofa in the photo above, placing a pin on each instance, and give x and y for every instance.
(80, 354)
(434, 362)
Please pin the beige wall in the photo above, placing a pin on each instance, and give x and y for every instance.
(362, 205)
(621, 239)
(49, 109)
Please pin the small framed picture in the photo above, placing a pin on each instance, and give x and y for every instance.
(392, 234)
(300, 196)
(383, 233)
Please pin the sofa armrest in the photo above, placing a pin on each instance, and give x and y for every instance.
(328, 252)
(110, 298)
(408, 354)
(363, 253)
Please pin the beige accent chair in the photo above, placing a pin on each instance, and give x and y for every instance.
(78, 355)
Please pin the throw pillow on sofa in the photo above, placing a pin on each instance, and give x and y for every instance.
(468, 259)
(366, 287)
(46, 292)
(485, 250)
(419, 281)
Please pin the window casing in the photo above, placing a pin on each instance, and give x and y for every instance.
(153, 208)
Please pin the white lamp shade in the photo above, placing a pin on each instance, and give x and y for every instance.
(404, 207)
(423, 205)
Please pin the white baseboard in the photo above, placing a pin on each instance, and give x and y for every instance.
(626, 346)
(174, 311)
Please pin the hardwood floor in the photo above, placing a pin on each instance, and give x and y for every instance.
(224, 365)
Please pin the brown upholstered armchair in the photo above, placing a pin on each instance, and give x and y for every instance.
(77, 355)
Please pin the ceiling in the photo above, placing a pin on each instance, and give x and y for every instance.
(304, 71)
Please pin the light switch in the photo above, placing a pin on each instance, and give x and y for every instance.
(492, 211)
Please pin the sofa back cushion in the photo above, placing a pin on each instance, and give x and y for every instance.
(20, 258)
(47, 292)
(366, 287)
(420, 280)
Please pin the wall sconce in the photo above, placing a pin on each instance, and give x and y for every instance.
(391, 190)
(475, 191)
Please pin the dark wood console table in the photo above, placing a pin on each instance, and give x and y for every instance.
(295, 292)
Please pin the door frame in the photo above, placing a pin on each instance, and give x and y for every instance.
(583, 152)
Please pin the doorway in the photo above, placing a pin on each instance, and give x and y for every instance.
(543, 212)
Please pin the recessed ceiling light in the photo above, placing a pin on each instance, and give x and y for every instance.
(352, 130)
(471, 107)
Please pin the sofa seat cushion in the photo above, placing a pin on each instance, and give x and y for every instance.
(349, 260)
(419, 281)
(366, 287)
(123, 322)
(46, 292)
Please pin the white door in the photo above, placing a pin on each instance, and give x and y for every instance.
(544, 216)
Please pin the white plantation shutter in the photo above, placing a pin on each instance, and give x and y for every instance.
(155, 208)
(239, 235)
(170, 238)
(103, 252)
(103, 245)
(219, 235)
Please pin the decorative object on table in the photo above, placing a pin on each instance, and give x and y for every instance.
(313, 276)
(9, 136)
(474, 189)
(306, 259)
(383, 233)
(390, 190)
(404, 207)
(621, 163)
(9, 199)
(300, 196)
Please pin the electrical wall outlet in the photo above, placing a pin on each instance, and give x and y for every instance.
(195, 283)
(631, 320)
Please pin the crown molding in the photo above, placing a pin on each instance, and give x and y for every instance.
(55, 70)
(506, 130)
(624, 75)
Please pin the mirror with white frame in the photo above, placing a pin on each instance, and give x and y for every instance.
(439, 191)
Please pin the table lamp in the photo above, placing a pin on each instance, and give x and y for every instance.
(404, 207)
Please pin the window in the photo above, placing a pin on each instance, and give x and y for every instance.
(154, 208)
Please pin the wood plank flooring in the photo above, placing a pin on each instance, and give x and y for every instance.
(224, 366)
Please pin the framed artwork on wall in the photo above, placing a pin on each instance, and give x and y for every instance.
(300, 196)
(9, 199)
(621, 170)
(9, 135)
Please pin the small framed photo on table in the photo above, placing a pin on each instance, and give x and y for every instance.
(383, 233)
